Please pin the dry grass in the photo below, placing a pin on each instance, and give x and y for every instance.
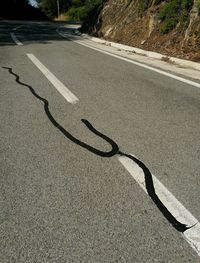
(61, 17)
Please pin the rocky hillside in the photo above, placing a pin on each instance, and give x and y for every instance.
(170, 27)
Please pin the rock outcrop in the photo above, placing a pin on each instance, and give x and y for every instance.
(151, 25)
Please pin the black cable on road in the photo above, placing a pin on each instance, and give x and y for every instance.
(114, 146)
(114, 151)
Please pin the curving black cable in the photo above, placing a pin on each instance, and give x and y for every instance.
(151, 192)
(115, 150)
(114, 146)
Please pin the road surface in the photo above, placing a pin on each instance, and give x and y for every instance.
(67, 192)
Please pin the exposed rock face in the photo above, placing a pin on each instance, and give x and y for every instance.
(121, 21)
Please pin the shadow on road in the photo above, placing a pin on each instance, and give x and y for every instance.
(31, 32)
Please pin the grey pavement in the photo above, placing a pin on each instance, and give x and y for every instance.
(62, 203)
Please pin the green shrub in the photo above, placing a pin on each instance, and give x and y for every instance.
(186, 6)
(71, 13)
(198, 6)
(168, 25)
(170, 9)
(175, 11)
(142, 6)
(80, 13)
(77, 13)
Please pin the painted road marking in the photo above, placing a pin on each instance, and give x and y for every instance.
(14, 38)
(14, 29)
(191, 235)
(190, 82)
(64, 91)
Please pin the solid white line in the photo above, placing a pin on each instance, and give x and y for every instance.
(14, 38)
(64, 91)
(195, 84)
(192, 235)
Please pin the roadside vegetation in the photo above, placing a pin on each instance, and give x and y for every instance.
(80, 10)
(142, 6)
(198, 6)
(76, 10)
(174, 12)
(50, 7)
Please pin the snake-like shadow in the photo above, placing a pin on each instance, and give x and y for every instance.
(114, 151)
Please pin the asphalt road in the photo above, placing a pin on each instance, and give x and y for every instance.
(60, 201)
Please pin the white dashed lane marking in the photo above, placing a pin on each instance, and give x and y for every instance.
(64, 91)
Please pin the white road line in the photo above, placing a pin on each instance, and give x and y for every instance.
(14, 29)
(192, 83)
(192, 235)
(64, 91)
(14, 38)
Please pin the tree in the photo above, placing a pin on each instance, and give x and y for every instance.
(50, 6)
